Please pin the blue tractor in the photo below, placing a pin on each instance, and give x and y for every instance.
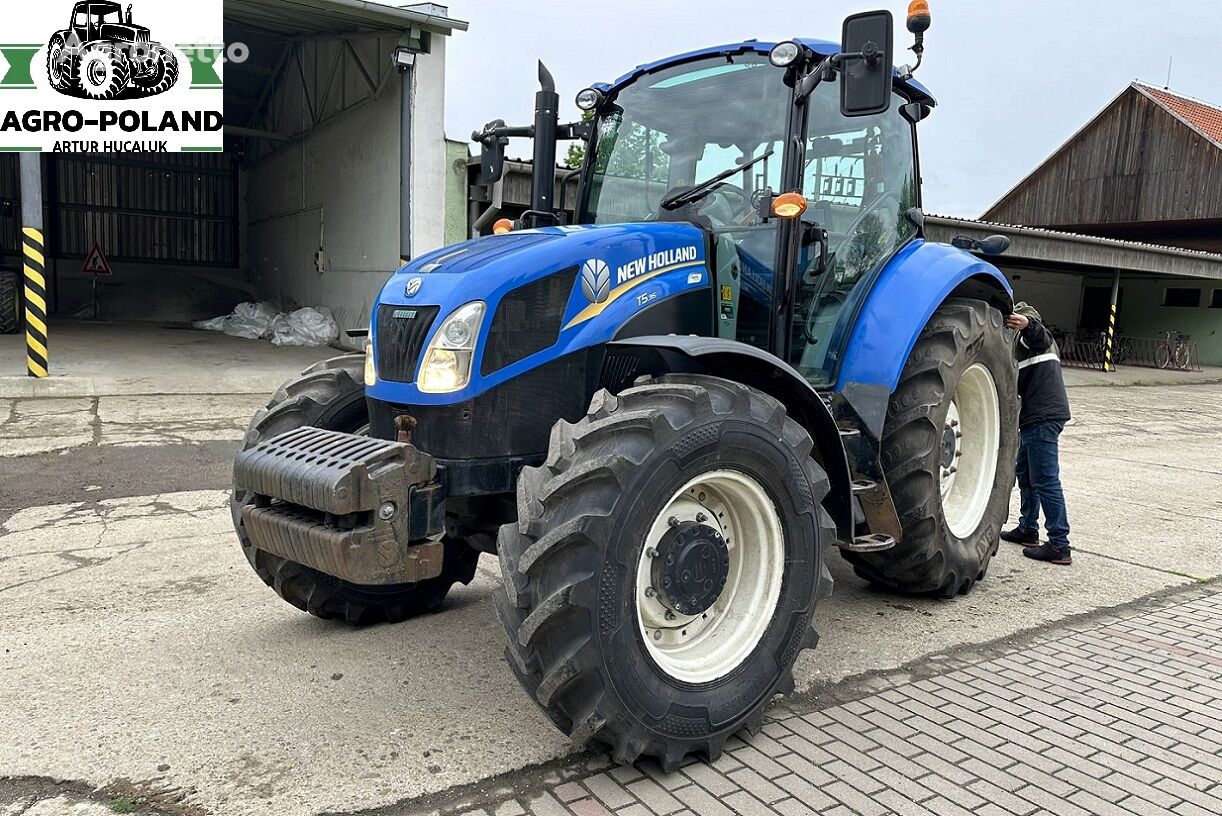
(741, 354)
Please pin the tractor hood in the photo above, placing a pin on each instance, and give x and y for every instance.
(124, 32)
(567, 288)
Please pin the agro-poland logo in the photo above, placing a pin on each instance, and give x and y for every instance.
(596, 280)
(103, 54)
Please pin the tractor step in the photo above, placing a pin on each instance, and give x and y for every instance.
(864, 486)
(868, 543)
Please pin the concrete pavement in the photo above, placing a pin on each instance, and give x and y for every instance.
(140, 647)
(90, 359)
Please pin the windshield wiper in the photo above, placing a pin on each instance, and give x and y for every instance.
(676, 200)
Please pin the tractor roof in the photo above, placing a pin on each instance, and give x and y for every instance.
(823, 48)
(102, 6)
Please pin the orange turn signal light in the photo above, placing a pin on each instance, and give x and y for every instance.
(502, 226)
(788, 205)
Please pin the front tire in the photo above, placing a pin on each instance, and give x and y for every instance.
(948, 449)
(662, 575)
(163, 76)
(104, 72)
(10, 303)
(331, 395)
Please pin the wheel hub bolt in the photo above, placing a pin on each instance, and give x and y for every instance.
(387, 511)
(670, 615)
(673, 521)
(650, 592)
(651, 552)
(657, 634)
(701, 518)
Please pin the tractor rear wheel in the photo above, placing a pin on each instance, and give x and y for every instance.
(64, 64)
(948, 451)
(10, 303)
(104, 72)
(331, 395)
(662, 575)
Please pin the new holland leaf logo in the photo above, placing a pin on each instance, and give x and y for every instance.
(596, 280)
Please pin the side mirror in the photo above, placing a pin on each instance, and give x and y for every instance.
(993, 245)
(491, 152)
(866, 64)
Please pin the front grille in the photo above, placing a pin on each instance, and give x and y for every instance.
(142, 36)
(402, 331)
(527, 320)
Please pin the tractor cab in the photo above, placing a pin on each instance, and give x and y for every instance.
(665, 128)
(105, 21)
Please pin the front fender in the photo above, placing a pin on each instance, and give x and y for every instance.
(765, 372)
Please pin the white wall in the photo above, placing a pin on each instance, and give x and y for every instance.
(340, 186)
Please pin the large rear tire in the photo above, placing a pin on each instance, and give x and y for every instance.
(948, 450)
(331, 395)
(662, 575)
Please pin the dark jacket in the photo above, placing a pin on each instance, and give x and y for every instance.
(1040, 385)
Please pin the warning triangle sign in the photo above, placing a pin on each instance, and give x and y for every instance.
(96, 263)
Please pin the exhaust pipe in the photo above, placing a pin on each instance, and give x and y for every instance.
(543, 181)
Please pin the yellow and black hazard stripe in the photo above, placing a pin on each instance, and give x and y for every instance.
(1108, 364)
(37, 359)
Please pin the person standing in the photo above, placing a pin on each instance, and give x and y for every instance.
(1042, 416)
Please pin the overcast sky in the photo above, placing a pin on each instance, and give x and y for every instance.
(1013, 78)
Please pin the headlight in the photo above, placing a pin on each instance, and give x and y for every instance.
(589, 99)
(449, 358)
(371, 368)
(784, 54)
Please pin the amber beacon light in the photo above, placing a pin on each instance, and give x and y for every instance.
(918, 16)
(502, 227)
(788, 205)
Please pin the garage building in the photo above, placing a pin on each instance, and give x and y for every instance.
(334, 170)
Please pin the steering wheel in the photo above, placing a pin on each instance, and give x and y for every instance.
(724, 204)
(812, 309)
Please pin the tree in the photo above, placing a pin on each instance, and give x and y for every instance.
(577, 150)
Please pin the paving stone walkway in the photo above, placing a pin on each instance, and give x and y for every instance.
(1117, 715)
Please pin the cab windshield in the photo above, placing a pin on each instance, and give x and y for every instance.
(682, 125)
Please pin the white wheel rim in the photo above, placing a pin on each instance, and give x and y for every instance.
(970, 438)
(705, 647)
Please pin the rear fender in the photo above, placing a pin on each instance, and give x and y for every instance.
(748, 365)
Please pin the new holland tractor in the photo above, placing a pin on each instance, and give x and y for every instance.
(740, 355)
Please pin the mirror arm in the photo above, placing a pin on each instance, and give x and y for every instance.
(823, 71)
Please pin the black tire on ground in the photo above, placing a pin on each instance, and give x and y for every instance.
(105, 72)
(10, 303)
(931, 558)
(568, 599)
(164, 75)
(331, 395)
(63, 69)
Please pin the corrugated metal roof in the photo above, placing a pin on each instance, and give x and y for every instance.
(323, 17)
(1077, 236)
(1205, 118)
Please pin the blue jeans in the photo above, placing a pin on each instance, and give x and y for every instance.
(1039, 482)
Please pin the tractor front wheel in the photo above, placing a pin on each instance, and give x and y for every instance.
(331, 395)
(948, 450)
(162, 77)
(662, 575)
(104, 72)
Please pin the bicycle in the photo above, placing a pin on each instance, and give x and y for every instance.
(1175, 353)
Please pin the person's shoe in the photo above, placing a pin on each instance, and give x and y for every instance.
(1021, 536)
(1061, 556)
